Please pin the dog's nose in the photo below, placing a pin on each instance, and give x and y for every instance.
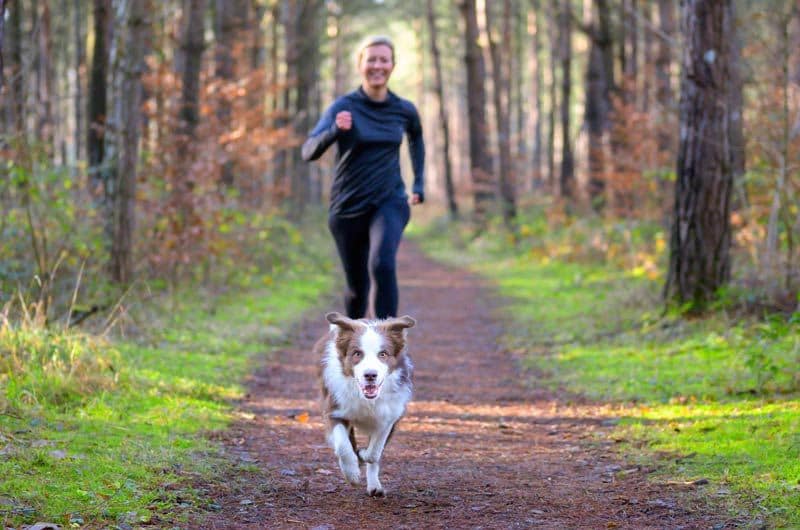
(371, 375)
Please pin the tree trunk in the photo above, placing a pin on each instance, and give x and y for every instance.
(647, 52)
(80, 62)
(17, 77)
(122, 152)
(45, 124)
(663, 65)
(231, 17)
(97, 113)
(444, 119)
(632, 61)
(192, 46)
(483, 186)
(501, 109)
(551, 118)
(537, 87)
(306, 68)
(567, 176)
(2, 35)
(700, 241)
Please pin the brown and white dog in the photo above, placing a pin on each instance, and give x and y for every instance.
(366, 385)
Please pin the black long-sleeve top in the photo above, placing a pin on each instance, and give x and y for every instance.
(367, 170)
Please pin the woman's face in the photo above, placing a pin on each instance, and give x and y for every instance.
(376, 65)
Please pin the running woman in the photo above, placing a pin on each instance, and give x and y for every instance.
(369, 206)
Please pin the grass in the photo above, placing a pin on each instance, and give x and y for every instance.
(98, 432)
(714, 398)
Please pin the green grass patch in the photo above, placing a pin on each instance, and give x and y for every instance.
(98, 432)
(718, 396)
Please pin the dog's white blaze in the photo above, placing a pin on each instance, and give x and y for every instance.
(371, 344)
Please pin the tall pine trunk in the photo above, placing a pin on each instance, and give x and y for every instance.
(536, 67)
(483, 186)
(97, 110)
(122, 153)
(306, 67)
(567, 175)
(231, 16)
(500, 77)
(700, 261)
(444, 119)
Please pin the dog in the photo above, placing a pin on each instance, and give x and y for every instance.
(366, 376)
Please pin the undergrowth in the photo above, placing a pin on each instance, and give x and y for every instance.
(107, 429)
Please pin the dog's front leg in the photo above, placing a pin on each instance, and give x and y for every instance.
(348, 461)
(372, 456)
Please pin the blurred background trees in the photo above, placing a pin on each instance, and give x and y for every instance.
(159, 140)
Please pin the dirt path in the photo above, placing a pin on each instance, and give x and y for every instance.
(477, 449)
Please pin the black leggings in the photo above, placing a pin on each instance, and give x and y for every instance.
(367, 245)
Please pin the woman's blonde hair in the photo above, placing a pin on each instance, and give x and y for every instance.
(374, 40)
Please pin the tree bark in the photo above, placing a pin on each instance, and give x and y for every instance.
(230, 23)
(700, 241)
(2, 35)
(306, 68)
(483, 185)
(17, 80)
(97, 110)
(663, 66)
(567, 176)
(45, 124)
(122, 152)
(536, 67)
(80, 62)
(501, 108)
(551, 117)
(193, 46)
(444, 119)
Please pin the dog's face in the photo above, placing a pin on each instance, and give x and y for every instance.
(369, 350)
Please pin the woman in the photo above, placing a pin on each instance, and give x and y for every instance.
(369, 205)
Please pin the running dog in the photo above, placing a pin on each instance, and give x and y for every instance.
(366, 385)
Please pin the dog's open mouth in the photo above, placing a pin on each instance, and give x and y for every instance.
(370, 390)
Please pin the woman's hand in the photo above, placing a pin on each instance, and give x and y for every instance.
(416, 199)
(344, 120)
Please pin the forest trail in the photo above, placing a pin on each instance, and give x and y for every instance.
(478, 448)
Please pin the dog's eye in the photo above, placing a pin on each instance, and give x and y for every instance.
(356, 353)
(383, 354)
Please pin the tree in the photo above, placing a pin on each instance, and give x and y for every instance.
(480, 160)
(2, 31)
(193, 44)
(230, 23)
(537, 88)
(599, 83)
(444, 119)
(700, 261)
(500, 76)
(306, 68)
(97, 110)
(122, 153)
(567, 175)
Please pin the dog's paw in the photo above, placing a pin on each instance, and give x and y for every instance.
(351, 471)
(376, 491)
(365, 456)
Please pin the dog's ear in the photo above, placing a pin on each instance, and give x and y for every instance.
(340, 320)
(398, 323)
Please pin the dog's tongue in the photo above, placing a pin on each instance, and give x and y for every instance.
(370, 391)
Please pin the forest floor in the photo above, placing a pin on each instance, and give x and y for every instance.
(480, 447)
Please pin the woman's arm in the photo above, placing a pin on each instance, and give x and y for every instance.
(416, 147)
(323, 135)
